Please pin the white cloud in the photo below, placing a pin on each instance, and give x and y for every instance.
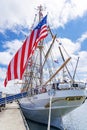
(2, 73)
(82, 66)
(83, 37)
(19, 12)
(4, 58)
(11, 48)
(11, 86)
(70, 46)
(83, 59)
(13, 45)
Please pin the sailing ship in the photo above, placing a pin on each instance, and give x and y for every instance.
(44, 82)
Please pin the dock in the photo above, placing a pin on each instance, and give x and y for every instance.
(11, 118)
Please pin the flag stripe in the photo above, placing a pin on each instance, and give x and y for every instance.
(18, 64)
(22, 59)
(12, 69)
(26, 50)
(15, 65)
(9, 73)
(18, 67)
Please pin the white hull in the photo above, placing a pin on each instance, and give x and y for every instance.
(36, 108)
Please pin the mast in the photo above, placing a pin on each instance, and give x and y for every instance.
(62, 66)
(65, 65)
(75, 69)
(46, 56)
(40, 46)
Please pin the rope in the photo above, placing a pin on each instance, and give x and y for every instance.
(49, 119)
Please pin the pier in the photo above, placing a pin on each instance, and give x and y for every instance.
(11, 118)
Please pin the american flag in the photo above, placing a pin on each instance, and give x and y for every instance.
(18, 64)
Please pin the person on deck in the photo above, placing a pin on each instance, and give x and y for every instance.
(36, 90)
(43, 90)
(58, 84)
(53, 86)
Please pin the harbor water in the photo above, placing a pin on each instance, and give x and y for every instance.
(75, 120)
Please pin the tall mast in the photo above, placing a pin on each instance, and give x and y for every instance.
(65, 65)
(40, 46)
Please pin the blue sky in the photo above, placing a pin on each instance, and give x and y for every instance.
(67, 18)
(74, 28)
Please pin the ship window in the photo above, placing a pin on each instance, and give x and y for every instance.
(74, 85)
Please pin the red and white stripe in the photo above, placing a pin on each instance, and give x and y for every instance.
(18, 64)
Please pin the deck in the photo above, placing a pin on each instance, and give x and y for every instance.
(11, 118)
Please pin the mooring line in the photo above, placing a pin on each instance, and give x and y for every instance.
(49, 119)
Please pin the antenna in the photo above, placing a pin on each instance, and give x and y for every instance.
(40, 8)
